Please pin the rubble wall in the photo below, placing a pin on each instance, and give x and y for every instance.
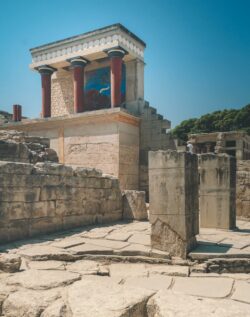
(243, 189)
(48, 197)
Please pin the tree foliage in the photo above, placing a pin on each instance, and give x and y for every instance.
(218, 121)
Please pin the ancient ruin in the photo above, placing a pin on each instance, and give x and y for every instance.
(100, 215)
(217, 191)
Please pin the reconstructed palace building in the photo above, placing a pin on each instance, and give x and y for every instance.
(93, 107)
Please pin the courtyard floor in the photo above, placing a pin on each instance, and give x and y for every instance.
(111, 271)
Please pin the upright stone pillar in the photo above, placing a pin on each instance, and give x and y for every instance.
(78, 64)
(46, 72)
(17, 113)
(217, 191)
(116, 55)
(173, 198)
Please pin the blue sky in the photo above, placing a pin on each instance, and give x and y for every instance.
(197, 56)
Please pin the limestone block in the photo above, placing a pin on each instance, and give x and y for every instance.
(10, 263)
(217, 191)
(15, 168)
(134, 205)
(68, 207)
(87, 172)
(53, 169)
(19, 194)
(40, 209)
(173, 197)
(18, 229)
(74, 221)
(45, 225)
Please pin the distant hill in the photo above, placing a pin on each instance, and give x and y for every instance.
(5, 117)
(224, 120)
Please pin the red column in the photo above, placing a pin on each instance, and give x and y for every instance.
(46, 73)
(116, 55)
(78, 64)
(15, 113)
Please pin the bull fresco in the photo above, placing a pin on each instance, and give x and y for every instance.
(97, 88)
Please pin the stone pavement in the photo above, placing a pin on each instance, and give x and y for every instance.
(111, 271)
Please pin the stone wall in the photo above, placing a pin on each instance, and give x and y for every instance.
(103, 139)
(243, 189)
(19, 147)
(47, 197)
(62, 93)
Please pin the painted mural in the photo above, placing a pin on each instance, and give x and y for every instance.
(97, 88)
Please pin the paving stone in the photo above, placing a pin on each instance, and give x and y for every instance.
(235, 243)
(42, 279)
(107, 243)
(84, 267)
(28, 303)
(101, 297)
(211, 287)
(140, 238)
(195, 274)
(128, 270)
(98, 233)
(237, 276)
(154, 282)
(90, 249)
(45, 252)
(46, 265)
(56, 309)
(170, 304)
(68, 242)
(159, 254)
(171, 270)
(242, 292)
(119, 236)
(134, 249)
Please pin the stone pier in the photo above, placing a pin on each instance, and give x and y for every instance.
(173, 196)
(217, 191)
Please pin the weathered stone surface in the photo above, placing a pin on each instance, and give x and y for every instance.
(44, 252)
(168, 304)
(49, 197)
(242, 291)
(134, 205)
(84, 267)
(87, 172)
(128, 270)
(42, 279)
(90, 249)
(15, 168)
(217, 191)
(28, 303)
(171, 270)
(9, 262)
(46, 265)
(56, 309)
(154, 282)
(195, 286)
(119, 236)
(113, 300)
(173, 191)
(18, 147)
(140, 238)
(243, 189)
(53, 169)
